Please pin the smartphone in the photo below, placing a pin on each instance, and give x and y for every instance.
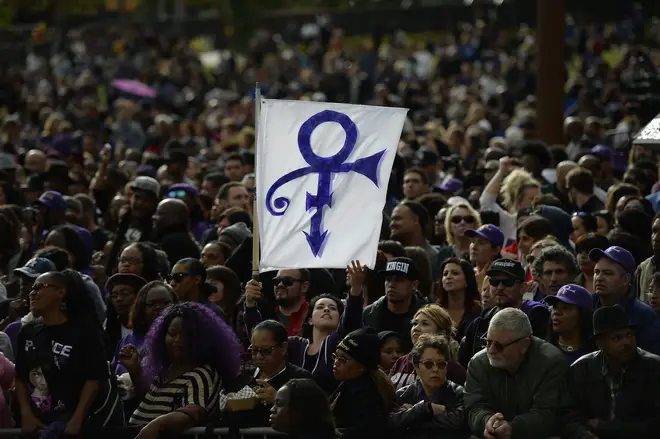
(30, 215)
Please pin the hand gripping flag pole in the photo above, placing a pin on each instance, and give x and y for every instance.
(255, 216)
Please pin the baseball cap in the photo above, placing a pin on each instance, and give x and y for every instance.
(573, 295)
(188, 189)
(52, 200)
(603, 152)
(616, 254)
(146, 184)
(508, 267)
(451, 185)
(425, 157)
(401, 267)
(36, 267)
(489, 232)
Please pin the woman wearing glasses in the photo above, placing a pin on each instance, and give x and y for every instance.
(325, 324)
(139, 259)
(184, 369)
(122, 289)
(188, 280)
(460, 218)
(433, 406)
(61, 372)
(269, 353)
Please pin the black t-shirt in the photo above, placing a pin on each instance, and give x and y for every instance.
(76, 356)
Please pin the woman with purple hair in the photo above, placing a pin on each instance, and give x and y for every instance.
(189, 355)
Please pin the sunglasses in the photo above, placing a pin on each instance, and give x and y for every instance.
(429, 365)
(176, 194)
(468, 219)
(263, 351)
(41, 286)
(177, 277)
(287, 281)
(505, 282)
(499, 347)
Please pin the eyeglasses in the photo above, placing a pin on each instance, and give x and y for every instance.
(263, 351)
(130, 260)
(339, 360)
(498, 282)
(468, 219)
(428, 364)
(176, 194)
(287, 281)
(40, 286)
(177, 277)
(499, 347)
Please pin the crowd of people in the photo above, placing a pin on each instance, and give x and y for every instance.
(516, 292)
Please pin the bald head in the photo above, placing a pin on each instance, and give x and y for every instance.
(35, 161)
(590, 162)
(169, 213)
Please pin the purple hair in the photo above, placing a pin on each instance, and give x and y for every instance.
(208, 340)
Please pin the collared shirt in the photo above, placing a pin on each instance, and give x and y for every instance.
(614, 382)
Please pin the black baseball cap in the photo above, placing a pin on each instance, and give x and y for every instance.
(510, 268)
(401, 267)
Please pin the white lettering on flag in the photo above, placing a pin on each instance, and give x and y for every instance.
(322, 176)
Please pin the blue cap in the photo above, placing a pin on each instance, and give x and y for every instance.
(53, 200)
(489, 232)
(573, 295)
(35, 267)
(616, 254)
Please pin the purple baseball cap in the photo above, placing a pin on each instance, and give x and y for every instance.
(190, 190)
(616, 254)
(603, 152)
(451, 185)
(52, 200)
(573, 295)
(489, 232)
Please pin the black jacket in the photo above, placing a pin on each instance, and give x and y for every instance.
(419, 422)
(178, 243)
(359, 410)
(637, 412)
(537, 313)
(379, 317)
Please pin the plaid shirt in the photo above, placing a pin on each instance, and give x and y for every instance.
(614, 382)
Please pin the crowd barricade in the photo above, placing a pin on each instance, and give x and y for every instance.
(193, 433)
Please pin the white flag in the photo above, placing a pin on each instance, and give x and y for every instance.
(322, 176)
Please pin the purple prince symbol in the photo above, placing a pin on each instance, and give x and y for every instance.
(324, 167)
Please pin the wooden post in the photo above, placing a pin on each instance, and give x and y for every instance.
(551, 22)
(256, 254)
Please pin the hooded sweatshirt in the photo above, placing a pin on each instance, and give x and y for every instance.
(238, 232)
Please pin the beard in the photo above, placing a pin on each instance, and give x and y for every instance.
(283, 302)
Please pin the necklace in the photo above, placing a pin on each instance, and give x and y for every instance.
(568, 347)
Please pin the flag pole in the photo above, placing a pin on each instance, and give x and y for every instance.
(255, 216)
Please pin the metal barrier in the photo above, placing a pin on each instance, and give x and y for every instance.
(197, 433)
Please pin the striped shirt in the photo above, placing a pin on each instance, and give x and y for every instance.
(200, 386)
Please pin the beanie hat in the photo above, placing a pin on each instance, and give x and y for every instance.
(363, 345)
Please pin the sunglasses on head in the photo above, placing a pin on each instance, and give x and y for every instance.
(287, 281)
(176, 194)
(498, 282)
(177, 277)
(468, 219)
(428, 364)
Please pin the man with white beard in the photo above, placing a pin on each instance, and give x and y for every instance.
(515, 386)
